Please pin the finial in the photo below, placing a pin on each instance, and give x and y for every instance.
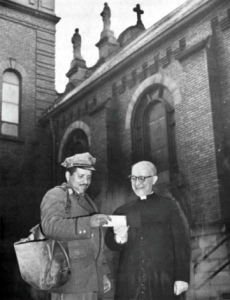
(139, 12)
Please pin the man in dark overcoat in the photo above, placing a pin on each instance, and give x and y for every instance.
(69, 215)
(154, 260)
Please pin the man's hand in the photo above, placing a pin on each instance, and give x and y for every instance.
(121, 234)
(99, 220)
(106, 283)
(180, 287)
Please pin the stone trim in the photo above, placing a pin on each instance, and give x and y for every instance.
(148, 68)
(12, 63)
(30, 11)
(159, 78)
(193, 49)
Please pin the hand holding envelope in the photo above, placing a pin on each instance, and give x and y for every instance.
(120, 228)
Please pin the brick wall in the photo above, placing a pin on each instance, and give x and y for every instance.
(27, 43)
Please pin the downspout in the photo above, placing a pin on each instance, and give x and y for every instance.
(53, 151)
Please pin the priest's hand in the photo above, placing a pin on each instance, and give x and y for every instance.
(106, 283)
(99, 220)
(180, 287)
(121, 234)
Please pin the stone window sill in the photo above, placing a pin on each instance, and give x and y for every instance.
(11, 139)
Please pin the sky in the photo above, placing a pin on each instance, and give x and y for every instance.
(85, 15)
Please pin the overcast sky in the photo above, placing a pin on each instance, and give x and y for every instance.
(85, 15)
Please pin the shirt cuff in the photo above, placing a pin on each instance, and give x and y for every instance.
(120, 240)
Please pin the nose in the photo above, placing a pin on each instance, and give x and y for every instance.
(85, 180)
(138, 182)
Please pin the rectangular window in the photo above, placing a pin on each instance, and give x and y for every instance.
(9, 112)
(10, 93)
(9, 129)
(10, 104)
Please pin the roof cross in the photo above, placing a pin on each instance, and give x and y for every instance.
(139, 12)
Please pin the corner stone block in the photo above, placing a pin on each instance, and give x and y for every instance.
(196, 253)
(224, 289)
(207, 241)
(198, 279)
(208, 266)
(194, 243)
(223, 278)
(221, 252)
(204, 293)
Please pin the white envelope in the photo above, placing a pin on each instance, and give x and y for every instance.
(116, 221)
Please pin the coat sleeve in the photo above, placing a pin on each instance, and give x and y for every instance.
(181, 243)
(55, 226)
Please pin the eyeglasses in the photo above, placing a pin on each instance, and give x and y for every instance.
(140, 178)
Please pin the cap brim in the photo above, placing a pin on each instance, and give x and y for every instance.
(87, 167)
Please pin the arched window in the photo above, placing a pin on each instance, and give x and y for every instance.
(153, 131)
(157, 135)
(10, 104)
(77, 142)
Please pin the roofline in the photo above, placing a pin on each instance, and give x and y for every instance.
(30, 11)
(145, 44)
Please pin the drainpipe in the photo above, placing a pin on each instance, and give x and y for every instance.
(53, 151)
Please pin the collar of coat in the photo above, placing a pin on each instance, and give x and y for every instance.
(83, 200)
(145, 197)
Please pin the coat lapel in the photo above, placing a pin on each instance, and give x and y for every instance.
(83, 202)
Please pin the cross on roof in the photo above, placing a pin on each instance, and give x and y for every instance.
(139, 12)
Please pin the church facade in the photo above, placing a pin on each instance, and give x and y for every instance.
(160, 94)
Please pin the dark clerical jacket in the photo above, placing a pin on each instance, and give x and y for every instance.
(157, 252)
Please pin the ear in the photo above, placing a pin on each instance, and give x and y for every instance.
(67, 175)
(155, 178)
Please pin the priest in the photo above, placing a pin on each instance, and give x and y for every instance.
(154, 260)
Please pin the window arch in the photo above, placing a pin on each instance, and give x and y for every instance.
(153, 130)
(77, 142)
(10, 104)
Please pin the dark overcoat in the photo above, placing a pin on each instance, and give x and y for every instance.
(84, 243)
(157, 252)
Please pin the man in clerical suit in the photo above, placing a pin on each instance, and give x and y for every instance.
(154, 260)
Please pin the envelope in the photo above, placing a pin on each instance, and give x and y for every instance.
(116, 221)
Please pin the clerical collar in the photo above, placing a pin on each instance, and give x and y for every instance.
(145, 196)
